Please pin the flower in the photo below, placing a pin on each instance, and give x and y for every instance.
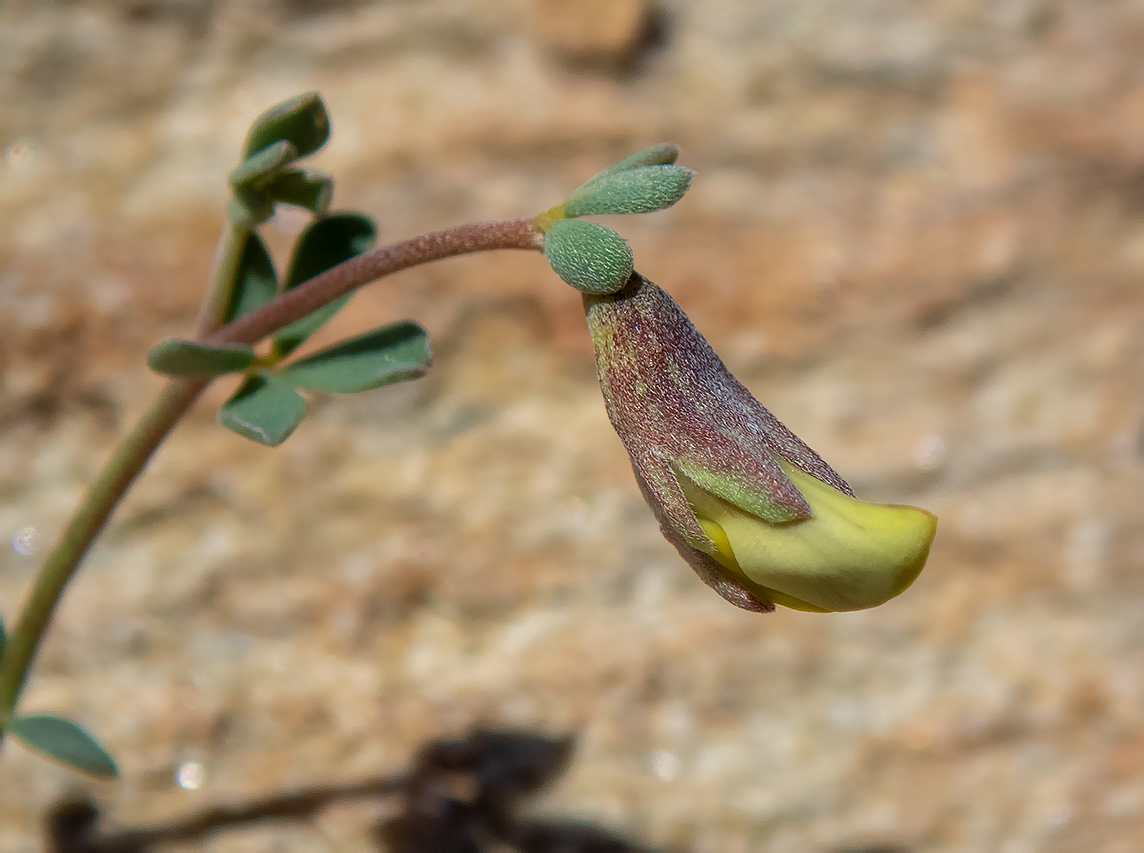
(755, 512)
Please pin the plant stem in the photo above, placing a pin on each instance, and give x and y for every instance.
(121, 470)
(228, 256)
(308, 297)
(132, 455)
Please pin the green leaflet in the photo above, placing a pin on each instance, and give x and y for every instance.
(394, 353)
(264, 409)
(178, 357)
(64, 741)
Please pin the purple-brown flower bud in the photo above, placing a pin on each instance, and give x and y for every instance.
(757, 514)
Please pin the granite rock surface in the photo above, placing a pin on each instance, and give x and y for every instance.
(916, 233)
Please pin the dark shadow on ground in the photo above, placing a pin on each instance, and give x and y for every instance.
(459, 796)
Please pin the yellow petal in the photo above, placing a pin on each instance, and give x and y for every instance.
(850, 555)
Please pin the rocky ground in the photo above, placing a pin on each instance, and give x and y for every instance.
(916, 233)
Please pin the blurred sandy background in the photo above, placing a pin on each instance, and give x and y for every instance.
(916, 232)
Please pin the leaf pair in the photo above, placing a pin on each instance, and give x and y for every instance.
(291, 130)
(595, 259)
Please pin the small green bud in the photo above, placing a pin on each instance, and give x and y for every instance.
(302, 121)
(642, 190)
(591, 258)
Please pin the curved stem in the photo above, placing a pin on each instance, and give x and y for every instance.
(228, 258)
(346, 277)
(126, 463)
(178, 396)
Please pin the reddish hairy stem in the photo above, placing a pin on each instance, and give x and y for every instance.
(346, 277)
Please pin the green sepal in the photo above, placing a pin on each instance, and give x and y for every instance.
(311, 190)
(258, 170)
(751, 499)
(642, 190)
(591, 258)
(326, 243)
(394, 353)
(178, 357)
(264, 409)
(301, 121)
(663, 154)
(64, 741)
(256, 281)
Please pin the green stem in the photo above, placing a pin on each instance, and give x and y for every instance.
(346, 277)
(228, 257)
(178, 396)
(127, 462)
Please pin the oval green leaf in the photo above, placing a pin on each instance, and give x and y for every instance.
(642, 190)
(264, 409)
(394, 353)
(326, 243)
(177, 357)
(591, 258)
(65, 742)
(258, 170)
(302, 121)
(257, 282)
(311, 190)
(663, 154)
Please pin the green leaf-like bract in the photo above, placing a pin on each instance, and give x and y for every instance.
(258, 170)
(663, 154)
(177, 357)
(642, 190)
(256, 283)
(394, 353)
(311, 190)
(302, 121)
(325, 244)
(264, 409)
(65, 742)
(591, 258)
